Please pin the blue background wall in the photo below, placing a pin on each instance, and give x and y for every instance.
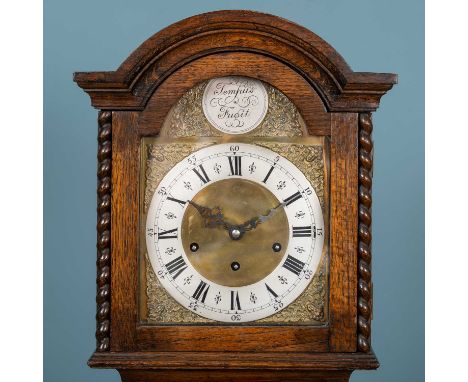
(372, 35)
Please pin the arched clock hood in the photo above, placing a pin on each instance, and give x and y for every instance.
(215, 34)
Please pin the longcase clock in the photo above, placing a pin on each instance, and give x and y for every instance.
(234, 205)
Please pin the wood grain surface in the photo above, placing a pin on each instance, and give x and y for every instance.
(132, 84)
(343, 231)
(233, 338)
(201, 360)
(234, 375)
(125, 164)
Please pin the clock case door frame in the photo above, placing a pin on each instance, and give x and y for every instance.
(134, 126)
(333, 100)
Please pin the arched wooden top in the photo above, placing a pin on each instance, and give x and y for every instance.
(132, 84)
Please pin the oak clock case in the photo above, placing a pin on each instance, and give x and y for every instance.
(234, 193)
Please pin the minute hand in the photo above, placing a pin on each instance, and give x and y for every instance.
(212, 217)
(254, 222)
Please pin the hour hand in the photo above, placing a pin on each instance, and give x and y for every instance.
(212, 217)
(254, 222)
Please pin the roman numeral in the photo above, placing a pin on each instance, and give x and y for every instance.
(292, 198)
(268, 174)
(294, 265)
(201, 291)
(271, 291)
(181, 202)
(305, 231)
(170, 234)
(201, 174)
(235, 303)
(176, 267)
(235, 165)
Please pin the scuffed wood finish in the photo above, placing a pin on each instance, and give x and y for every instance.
(233, 376)
(343, 231)
(125, 161)
(233, 338)
(132, 84)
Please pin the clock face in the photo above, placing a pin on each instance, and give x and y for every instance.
(234, 232)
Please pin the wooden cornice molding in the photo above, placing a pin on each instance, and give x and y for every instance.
(216, 33)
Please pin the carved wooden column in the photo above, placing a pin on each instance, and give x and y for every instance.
(365, 235)
(103, 230)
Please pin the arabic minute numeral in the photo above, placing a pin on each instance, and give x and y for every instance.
(236, 317)
(318, 231)
(193, 305)
(277, 305)
(192, 160)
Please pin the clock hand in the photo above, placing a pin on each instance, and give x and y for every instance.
(212, 216)
(254, 222)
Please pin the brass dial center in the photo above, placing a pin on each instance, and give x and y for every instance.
(229, 255)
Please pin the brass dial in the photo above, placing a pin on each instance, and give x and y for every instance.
(226, 259)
